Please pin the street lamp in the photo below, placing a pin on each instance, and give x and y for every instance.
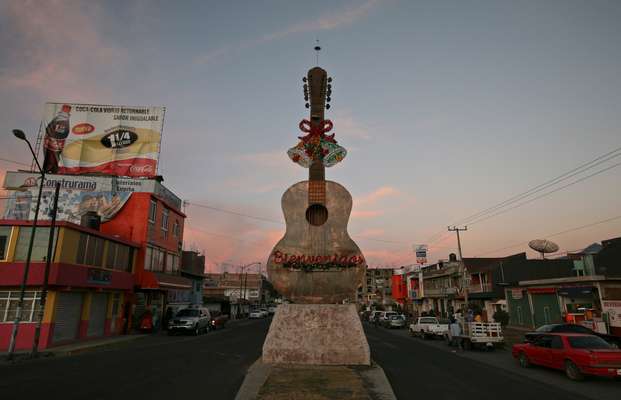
(242, 284)
(18, 315)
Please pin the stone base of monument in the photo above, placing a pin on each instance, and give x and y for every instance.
(316, 334)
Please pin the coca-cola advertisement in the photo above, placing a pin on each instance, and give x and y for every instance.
(101, 139)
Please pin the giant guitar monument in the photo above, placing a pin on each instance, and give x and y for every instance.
(316, 265)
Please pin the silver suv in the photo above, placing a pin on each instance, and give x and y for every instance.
(193, 320)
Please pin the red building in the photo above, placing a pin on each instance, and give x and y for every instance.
(155, 222)
(90, 281)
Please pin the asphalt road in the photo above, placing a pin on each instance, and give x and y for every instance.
(210, 366)
(425, 369)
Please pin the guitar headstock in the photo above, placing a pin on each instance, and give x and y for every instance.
(317, 89)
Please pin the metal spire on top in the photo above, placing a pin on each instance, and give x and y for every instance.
(317, 49)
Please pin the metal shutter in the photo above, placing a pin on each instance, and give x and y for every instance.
(68, 312)
(99, 306)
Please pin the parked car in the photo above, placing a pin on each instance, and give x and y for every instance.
(395, 321)
(384, 317)
(571, 328)
(374, 315)
(257, 313)
(577, 354)
(218, 320)
(428, 327)
(486, 335)
(272, 310)
(193, 320)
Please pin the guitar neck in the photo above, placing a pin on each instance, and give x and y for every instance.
(317, 171)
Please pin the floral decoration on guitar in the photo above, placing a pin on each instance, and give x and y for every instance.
(316, 145)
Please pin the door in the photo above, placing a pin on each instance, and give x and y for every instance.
(541, 349)
(115, 313)
(556, 353)
(68, 312)
(97, 321)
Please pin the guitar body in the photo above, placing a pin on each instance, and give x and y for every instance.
(316, 263)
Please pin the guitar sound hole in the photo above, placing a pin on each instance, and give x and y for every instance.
(316, 215)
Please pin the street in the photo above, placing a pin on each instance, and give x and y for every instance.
(213, 366)
(431, 369)
(158, 367)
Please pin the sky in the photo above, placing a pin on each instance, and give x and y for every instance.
(446, 108)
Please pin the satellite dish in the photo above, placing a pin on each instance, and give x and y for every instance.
(543, 246)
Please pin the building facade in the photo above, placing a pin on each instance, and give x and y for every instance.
(90, 281)
(376, 288)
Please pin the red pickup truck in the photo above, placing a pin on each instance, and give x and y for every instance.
(576, 354)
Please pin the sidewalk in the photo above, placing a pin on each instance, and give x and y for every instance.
(73, 348)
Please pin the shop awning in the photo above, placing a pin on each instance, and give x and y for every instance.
(159, 280)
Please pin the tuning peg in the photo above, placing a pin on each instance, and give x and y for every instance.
(328, 98)
(329, 87)
(327, 106)
(330, 79)
(306, 105)
(304, 79)
(305, 98)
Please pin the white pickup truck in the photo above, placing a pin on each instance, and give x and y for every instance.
(428, 327)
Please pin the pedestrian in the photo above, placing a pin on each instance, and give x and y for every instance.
(167, 317)
(146, 322)
(156, 319)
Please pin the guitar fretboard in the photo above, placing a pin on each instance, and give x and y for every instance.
(316, 192)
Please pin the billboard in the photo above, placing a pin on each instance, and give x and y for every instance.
(421, 253)
(78, 195)
(101, 139)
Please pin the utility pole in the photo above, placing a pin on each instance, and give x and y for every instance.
(51, 252)
(462, 267)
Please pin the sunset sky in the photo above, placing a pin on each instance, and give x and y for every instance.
(446, 108)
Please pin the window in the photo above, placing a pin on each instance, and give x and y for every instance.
(8, 306)
(165, 222)
(90, 250)
(557, 342)
(119, 257)
(519, 315)
(152, 211)
(546, 315)
(157, 263)
(148, 254)
(39, 248)
(176, 229)
(588, 342)
(5, 236)
(173, 262)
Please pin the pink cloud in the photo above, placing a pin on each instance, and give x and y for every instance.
(60, 50)
(366, 213)
(327, 21)
(376, 195)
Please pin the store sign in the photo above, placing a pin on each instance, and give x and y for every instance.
(576, 291)
(103, 139)
(613, 309)
(99, 276)
(78, 195)
(542, 290)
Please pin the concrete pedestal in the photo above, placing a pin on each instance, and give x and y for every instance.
(316, 334)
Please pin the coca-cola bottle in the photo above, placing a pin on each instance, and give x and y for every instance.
(55, 134)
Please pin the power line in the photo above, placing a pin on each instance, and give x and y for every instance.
(557, 234)
(264, 219)
(571, 173)
(546, 194)
(14, 162)
(235, 213)
(479, 216)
